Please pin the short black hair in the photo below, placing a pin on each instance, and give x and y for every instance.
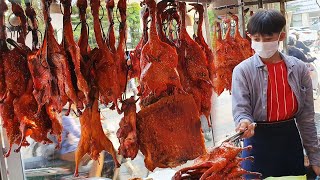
(266, 22)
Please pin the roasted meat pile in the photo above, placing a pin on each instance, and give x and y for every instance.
(220, 163)
(166, 103)
(177, 75)
(21, 110)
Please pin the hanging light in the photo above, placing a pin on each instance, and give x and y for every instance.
(14, 20)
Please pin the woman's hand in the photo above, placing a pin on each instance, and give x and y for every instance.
(247, 127)
(316, 170)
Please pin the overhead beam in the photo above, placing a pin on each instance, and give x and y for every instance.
(250, 3)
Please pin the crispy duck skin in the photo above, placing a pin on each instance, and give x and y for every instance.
(223, 72)
(161, 6)
(38, 65)
(60, 69)
(203, 167)
(41, 76)
(194, 55)
(135, 55)
(169, 15)
(169, 132)
(111, 39)
(53, 114)
(199, 88)
(127, 133)
(217, 166)
(73, 51)
(84, 37)
(105, 66)
(19, 12)
(168, 59)
(62, 88)
(236, 162)
(31, 123)
(158, 62)
(16, 71)
(200, 40)
(220, 163)
(245, 45)
(31, 14)
(233, 55)
(93, 140)
(3, 48)
(206, 90)
(11, 123)
(238, 172)
(226, 150)
(120, 51)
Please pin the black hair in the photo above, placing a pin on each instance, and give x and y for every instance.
(266, 22)
(291, 41)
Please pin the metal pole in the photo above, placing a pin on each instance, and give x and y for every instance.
(207, 24)
(242, 24)
(283, 11)
(260, 4)
(12, 166)
(2, 160)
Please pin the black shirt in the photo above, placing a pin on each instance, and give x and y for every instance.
(295, 52)
(301, 45)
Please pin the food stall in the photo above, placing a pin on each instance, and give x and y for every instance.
(60, 71)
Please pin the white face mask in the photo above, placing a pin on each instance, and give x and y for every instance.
(265, 49)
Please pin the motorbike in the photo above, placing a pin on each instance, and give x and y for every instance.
(312, 66)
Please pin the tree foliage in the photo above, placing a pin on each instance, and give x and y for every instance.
(133, 22)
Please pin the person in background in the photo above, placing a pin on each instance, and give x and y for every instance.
(70, 138)
(132, 84)
(295, 52)
(272, 103)
(300, 45)
(316, 43)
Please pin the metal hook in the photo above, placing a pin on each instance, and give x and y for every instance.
(61, 9)
(117, 15)
(102, 13)
(77, 26)
(41, 35)
(88, 28)
(100, 20)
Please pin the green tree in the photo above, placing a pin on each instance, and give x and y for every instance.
(133, 23)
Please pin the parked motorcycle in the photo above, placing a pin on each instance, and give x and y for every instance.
(315, 79)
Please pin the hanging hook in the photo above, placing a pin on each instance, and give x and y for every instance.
(100, 20)
(117, 17)
(41, 35)
(61, 9)
(102, 13)
(77, 26)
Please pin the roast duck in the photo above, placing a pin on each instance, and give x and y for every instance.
(228, 53)
(219, 163)
(177, 76)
